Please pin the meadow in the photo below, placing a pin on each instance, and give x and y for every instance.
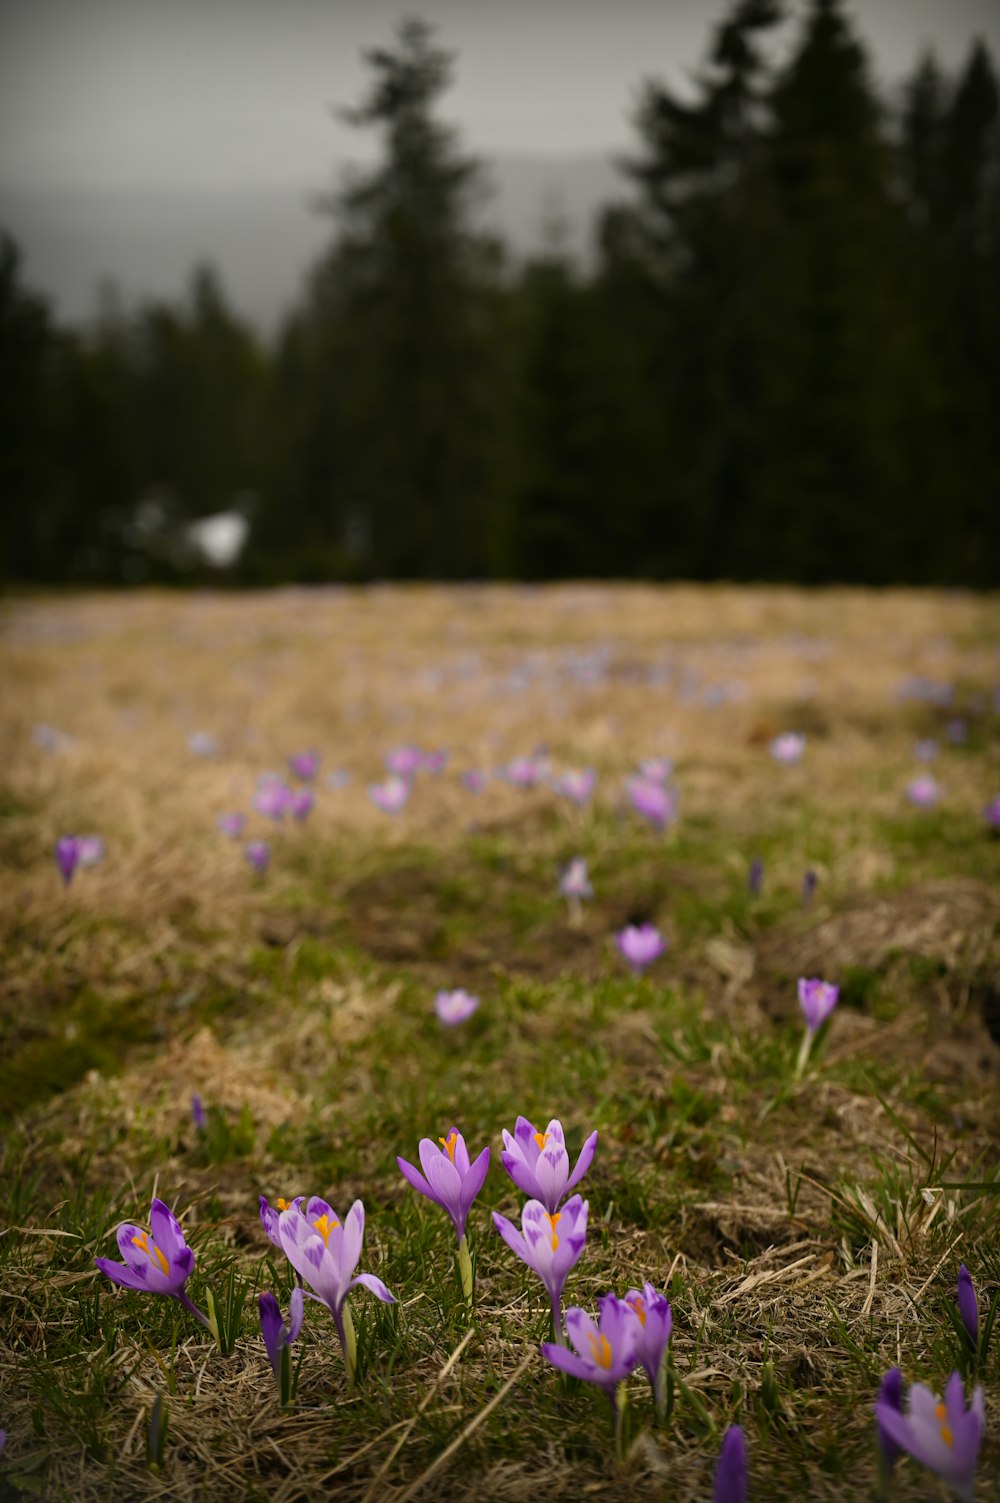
(179, 1025)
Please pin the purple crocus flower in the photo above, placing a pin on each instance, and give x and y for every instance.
(817, 1000)
(968, 1305)
(448, 1178)
(404, 761)
(90, 850)
(605, 1352)
(809, 884)
(158, 1261)
(538, 1163)
(755, 876)
(270, 1216)
(653, 801)
(273, 797)
(232, 825)
(198, 1112)
(890, 1395)
(277, 1336)
(730, 1484)
(992, 815)
(301, 804)
(434, 762)
(525, 772)
(656, 769)
(788, 748)
(455, 1007)
(923, 791)
(391, 795)
(550, 1243)
(574, 882)
(640, 944)
(258, 853)
(942, 1435)
(652, 1312)
(67, 853)
(324, 1253)
(474, 780)
(577, 785)
(304, 765)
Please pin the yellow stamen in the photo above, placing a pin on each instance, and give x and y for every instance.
(940, 1411)
(637, 1303)
(541, 1138)
(325, 1226)
(283, 1205)
(448, 1144)
(556, 1216)
(947, 1436)
(152, 1253)
(600, 1350)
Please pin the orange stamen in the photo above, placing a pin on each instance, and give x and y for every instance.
(556, 1216)
(152, 1253)
(541, 1138)
(940, 1411)
(448, 1144)
(947, 1436)
(638, 1304)
(325, 1226)
(283, 1205)
(600, 1350)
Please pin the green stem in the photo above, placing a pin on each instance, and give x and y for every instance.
(465, 1269)
(350, 1343)
(804, 1048)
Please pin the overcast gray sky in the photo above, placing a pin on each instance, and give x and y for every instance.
(138, 136)
(188, 93)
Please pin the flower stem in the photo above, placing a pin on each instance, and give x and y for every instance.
(209, 1321)
(557, 1330)
(804, 1047)
(349, 1342)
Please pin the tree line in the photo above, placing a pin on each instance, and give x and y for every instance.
(782, 361)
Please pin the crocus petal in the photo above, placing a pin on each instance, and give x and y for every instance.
(166, 1229)
(583, 1163)
(296, 1309)
(270, 1328)
(460, 1157)
(522, 1176)
(731, 1468)
(415, 1178)
(375, 1285)
(126, 1237)
(512, 1237)
(968, 1305)
(120, 1273)
(566, 1360)
(445, 1180)
(475, 1178)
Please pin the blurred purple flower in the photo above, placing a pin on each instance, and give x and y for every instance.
(731, 1468)
(325, 1253)
(817, 1000)
(269, 1216)
(158, 1261)
(391, 795)
(273, 797)
(809, 884)
(992, 814)
(276, 1334)
(550, 1243)
(434, 762)
(474, 780)
(923, 791)
(788, 748)
(202, 744)
(605, 1352)
(755, 876)
(448, 1178)
(304, 765)
(404, 761)
(197, 1112)
(652, 1312)
(925, 751)
(656, 769)
(574, 882)
(67, 853)
(455, 1007)
(525, 772)
(232, 825)
(302, 803)
(258, 853)
(538, 1163)
(653, 801)
(890, 1395)
(968, 1305)
(577, 785)
(640, 945)
(942, 1435)
(90, 849)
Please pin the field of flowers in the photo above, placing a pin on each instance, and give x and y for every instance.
(489, 1043)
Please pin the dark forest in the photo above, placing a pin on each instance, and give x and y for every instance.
(781, 362)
